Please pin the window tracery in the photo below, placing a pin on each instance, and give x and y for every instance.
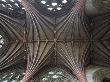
(56, 75)
(12, 8)
(54, 7)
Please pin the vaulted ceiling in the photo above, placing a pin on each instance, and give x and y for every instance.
(74, 39)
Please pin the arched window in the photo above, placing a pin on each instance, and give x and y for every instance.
(54, 7)
(12, 8)
(56, 75)
(12, 74)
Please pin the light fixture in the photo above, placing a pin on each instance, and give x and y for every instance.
(4, 0)
(51, 72)
(3, 5)
(47, 5)
(54, 3)
(43, 2)
(0, 46)
(12, 0)
(9, 5)
(44, 79)
(12, 73)
(19, 0)
(10, 8)
(50, 8)
(2, 41)
(0, 36)
(16, 4)
(23, 8)
(59, 8)
(64, 1)
(55, 76)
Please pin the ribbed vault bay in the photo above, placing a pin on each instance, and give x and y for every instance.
(74, 40)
